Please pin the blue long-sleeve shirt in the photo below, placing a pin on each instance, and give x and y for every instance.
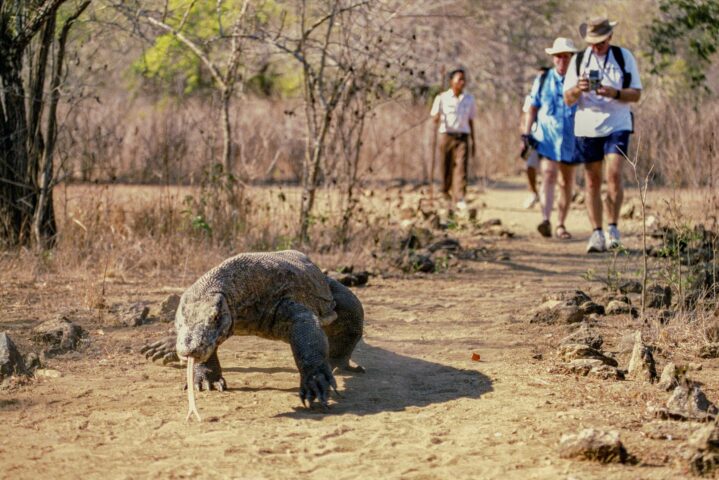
(555, 120)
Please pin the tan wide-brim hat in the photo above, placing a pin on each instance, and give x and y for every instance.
(562, 45)
(596, 30)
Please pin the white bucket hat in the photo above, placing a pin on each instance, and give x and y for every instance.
(562, 45)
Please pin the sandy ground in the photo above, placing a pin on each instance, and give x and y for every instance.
(424, 409)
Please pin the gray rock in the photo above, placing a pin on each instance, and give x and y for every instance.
(688, 402)
(584, 335)
(59, 335)
(704, 456)
(659, 297)
(571, 297)
(168, 308)
(576, 351)
(132, 314)
(641, 365)
(418, 262)
(449, 244)
(590, 308)
(606, 372)
(557, 311)
(616, 307)
(630, 286)
(11, 362)
(592, 444)
(671, 376)
(709, 351)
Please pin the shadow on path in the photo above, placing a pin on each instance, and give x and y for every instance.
(394, 382)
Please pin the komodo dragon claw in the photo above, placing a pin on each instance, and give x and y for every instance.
(162, 349)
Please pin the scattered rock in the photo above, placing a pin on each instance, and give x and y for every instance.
(132, 314)
(60, 335)
(671, 376)
(11, 362)
(48, 373)
(417, 262)
(590, 308)
(32, 362)
(584, 335)
(575, 297)
(556, 311)
(704, 458)
(688, 402)
(710, 350)
(616, 307)
(168, 308)
(595, 445)
(659, 297)
(627, 211)
(450, 244)
(350, 279)
(492, 222)
(641, 365)
(580, 351)
(630, 286)
(606, 372)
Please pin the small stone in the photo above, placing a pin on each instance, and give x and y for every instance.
(688, 402)
(418, 262)
(32, 362)
(590, 308)
(131, 315)
(659, 297)
(606, 372)
(616, 307)
(11, 362)
(595, 445)
(641, 365)
(556, 311)
(630, 286)
(449, 244)
(60, 335)
(627, 211)
(704, 458)
(584, 336)
(580, 351)
(709, 351)
(573, 297)
(671, 376)
(168, 308)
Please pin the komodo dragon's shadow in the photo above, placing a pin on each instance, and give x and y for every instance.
(394, 382)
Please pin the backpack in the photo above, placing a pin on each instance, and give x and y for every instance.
(542, 78)
(619, 57)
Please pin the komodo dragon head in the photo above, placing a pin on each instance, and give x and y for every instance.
(201, 325)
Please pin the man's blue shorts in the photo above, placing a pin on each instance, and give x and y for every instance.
(591, 149)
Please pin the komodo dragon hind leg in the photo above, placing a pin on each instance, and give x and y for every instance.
(309, 348)
(344, 333)
(208, 374)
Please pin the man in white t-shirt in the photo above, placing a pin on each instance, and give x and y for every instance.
(454, 112)
(602, 80)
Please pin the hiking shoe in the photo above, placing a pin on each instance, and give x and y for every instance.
(613, 238)
(531, 201)
(596, 242)
(545, 229)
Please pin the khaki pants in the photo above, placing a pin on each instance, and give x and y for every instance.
(454, 152)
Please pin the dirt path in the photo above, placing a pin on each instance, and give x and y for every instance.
(422, 410)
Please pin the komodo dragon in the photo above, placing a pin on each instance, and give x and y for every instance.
(278, 296)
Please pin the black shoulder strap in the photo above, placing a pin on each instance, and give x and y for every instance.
(619, 57)
(580, 57)
(542, 79)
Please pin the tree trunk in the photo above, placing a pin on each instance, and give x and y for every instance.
(309, 187)
(227, 159)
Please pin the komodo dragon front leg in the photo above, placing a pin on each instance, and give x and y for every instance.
(310, 349)
(208, 374)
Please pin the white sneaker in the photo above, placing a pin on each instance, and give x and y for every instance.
(613, 238)
(596, 242)
(461, 205)
(531, 201)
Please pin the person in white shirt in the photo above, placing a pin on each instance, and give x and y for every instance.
(453, 112)
(602, 80)
(529, 152)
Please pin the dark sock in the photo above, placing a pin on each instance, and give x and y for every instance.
(598, 229)
(613, 225)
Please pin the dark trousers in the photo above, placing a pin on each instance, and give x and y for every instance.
(454, 152)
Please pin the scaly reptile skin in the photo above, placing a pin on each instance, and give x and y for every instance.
(278, 296)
